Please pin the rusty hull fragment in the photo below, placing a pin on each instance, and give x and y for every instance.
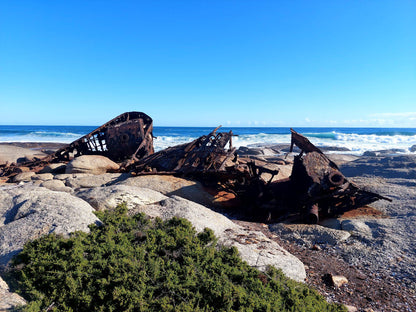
(210, 153)
(317, 187)
(126, 138)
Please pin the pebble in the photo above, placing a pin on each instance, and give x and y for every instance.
(338, 280)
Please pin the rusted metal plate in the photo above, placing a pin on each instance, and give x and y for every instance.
(318, 188)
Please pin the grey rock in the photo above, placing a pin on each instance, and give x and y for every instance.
(412, 148)
(77, 181)
(28, 212)
(331, 223)
(23, 177)
(278, 148)
(170, 185)
(367, 230)
(387, 152)
(9, 301)
(397, 166)
(284, 172)
(244, 151)
(95, 164)
(310, 234)
(295, 149)
(370, 153)
(358, 228)
(391, 151)
(64, 176)
(338, 280)
(43, 176)
(285, 148)
(56, 185)
(102, 198)
(351, 308)
(334, 149)
(54, 168)
(341, 159)
(24, 159)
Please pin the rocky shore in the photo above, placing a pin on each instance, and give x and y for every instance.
(370, 250)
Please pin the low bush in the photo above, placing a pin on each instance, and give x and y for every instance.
(135, 264)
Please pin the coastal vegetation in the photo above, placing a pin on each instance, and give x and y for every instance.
(133, 263)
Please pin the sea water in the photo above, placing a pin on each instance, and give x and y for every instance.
(356, 140)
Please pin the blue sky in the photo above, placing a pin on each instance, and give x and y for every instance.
(204, 63)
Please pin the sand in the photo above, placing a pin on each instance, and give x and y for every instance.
(13, 152)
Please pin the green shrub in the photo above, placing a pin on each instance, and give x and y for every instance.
(134, 264)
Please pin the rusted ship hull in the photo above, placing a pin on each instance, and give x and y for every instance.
(316, 187)
(126, 138)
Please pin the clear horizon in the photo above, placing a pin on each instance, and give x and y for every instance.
(213, 126)
(323, 64)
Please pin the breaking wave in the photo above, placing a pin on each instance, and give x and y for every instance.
(356, 140)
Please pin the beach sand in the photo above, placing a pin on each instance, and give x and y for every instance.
(379, 259)
(12, 152)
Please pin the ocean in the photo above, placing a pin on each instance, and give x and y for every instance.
(356, 140)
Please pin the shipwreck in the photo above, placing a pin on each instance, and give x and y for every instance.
(126, 138)
(316, 188)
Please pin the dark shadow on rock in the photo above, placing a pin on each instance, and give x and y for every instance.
(11, 213)
(121, 178)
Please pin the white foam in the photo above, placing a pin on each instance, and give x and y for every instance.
(356, 143)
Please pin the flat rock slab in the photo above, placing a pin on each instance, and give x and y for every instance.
(103, 198)
(398, 166)
(24, 177)
(82, 180)
(56, 185)
(43, 176)
(170, 185)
